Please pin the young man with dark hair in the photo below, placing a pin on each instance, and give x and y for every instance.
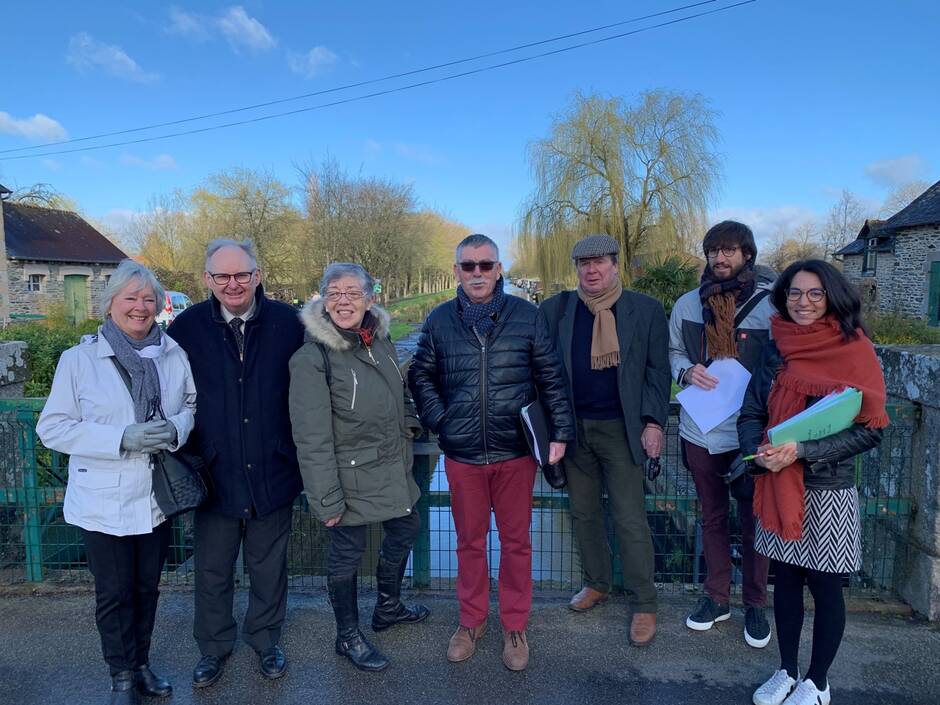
(727, 316)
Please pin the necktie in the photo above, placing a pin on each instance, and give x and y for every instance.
(236, 324)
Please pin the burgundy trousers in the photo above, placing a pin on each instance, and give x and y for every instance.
(715, 499)
(506, 489)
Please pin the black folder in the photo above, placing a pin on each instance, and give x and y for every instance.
(535, 425)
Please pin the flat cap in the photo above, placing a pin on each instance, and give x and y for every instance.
(595, 246)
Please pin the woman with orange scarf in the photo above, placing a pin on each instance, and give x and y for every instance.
(805, 498)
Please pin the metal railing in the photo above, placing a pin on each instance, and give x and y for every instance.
(37, 545)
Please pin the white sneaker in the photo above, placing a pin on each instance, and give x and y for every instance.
(806, 693)
(775, 690)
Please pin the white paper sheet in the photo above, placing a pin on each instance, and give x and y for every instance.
(710, 408)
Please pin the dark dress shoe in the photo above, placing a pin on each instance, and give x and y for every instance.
(208, 671)
(122, 689)
(150, 684)
(273, 662)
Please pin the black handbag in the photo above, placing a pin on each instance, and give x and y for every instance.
(177, 484)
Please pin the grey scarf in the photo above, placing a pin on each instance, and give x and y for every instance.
(145, 383)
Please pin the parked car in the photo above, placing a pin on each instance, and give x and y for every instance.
(175, 302)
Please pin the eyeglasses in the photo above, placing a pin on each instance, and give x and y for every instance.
(814, 295)
(485, 266)
(239, 277)
(712, 252)
(351, 295)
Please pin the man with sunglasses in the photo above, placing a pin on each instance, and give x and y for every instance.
(481, 357)
(613, 344)
(239, 344)
(728, 315)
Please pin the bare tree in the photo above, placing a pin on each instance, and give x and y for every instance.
(902, 197)
(788, 246)
(845, 219)
(626, 170)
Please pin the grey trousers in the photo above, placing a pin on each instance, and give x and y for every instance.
(602, 459)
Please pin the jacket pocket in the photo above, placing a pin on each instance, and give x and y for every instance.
(94, 497)
(357, 458)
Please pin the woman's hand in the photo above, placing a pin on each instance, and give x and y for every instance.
(776, 458)
(332, 522)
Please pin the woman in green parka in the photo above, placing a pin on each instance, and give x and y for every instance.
(353, 421)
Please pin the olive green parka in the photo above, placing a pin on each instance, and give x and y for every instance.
(353, 433)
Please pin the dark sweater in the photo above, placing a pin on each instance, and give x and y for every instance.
(596, 395)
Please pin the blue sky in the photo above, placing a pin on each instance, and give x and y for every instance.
(813, 96)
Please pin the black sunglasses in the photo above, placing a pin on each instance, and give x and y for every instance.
(485, 266)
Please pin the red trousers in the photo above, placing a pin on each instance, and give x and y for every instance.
(506, 488)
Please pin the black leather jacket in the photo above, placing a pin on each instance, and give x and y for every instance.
(469, 390)
(827, 462)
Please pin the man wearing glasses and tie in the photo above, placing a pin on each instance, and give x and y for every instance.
(239, 344)
(481, 357)
(728, 315)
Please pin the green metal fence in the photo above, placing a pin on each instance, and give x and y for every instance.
(37, 545)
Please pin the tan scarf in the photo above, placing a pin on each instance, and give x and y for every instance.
(605, 348)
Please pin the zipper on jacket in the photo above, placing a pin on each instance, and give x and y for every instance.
(397, 369)
(374, 361)
(355, 387)
(486, 452)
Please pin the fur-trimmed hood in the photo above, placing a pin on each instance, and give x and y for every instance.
(321, 329)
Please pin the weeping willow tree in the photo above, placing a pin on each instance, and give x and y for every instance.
(643, 173)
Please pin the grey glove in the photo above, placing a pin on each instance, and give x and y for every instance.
(165, 427)
(147, 437)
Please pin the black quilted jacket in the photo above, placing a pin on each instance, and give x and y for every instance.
(827, 462)
(469, 390)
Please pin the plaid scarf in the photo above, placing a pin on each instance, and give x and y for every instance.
(481, 317)
(720, 300)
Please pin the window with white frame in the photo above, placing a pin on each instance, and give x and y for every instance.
(34, 283)
(871, 256)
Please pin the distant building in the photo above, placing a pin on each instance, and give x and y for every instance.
(896, 262)
(50, 256)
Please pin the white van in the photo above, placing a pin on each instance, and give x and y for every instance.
(175, 303)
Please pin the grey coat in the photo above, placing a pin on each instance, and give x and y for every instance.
(353, 434)
(643, 375)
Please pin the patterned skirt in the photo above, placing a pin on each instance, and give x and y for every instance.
(831, 534)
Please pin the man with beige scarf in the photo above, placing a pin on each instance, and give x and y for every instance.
(614, 347)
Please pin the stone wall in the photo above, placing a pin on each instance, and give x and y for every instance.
(912, 373)
(12, 369)
(914, 250)
(52, 289)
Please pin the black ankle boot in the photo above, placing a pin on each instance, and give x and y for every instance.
(150, 684)
(122, 689)
(349, 640)
(389, 609)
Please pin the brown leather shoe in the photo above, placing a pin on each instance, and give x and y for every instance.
(643, 628)
(463, 643)
(515, 650)
(587, 598)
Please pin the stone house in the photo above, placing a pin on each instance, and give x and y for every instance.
(896, 263)
(50, 256)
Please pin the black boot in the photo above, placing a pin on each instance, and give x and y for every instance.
(349, 640)
(389, 609)
(150, 684)
(122, 689)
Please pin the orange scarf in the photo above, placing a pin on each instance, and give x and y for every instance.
(816, 361)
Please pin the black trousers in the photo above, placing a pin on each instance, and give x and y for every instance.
(348, 543)
(127, 575)
(217, 540)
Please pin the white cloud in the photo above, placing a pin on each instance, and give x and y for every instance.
(372, 147)
(891, 173)
(86, 53)
(766, 222)
(39, 128)
(313, 62)
(187, 24)
(161, 162)
(243, 31)
(51, 164)
(417, 153)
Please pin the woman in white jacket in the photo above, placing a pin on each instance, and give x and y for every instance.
(109, 432)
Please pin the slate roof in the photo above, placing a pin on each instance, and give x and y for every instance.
(870, 228)
(923, 210)
(50, 235)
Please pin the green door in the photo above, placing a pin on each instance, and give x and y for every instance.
(933, 295)
(76, 298)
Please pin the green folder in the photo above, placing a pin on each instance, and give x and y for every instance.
(833, 413)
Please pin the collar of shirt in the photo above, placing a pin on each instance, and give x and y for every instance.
(228, 315)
